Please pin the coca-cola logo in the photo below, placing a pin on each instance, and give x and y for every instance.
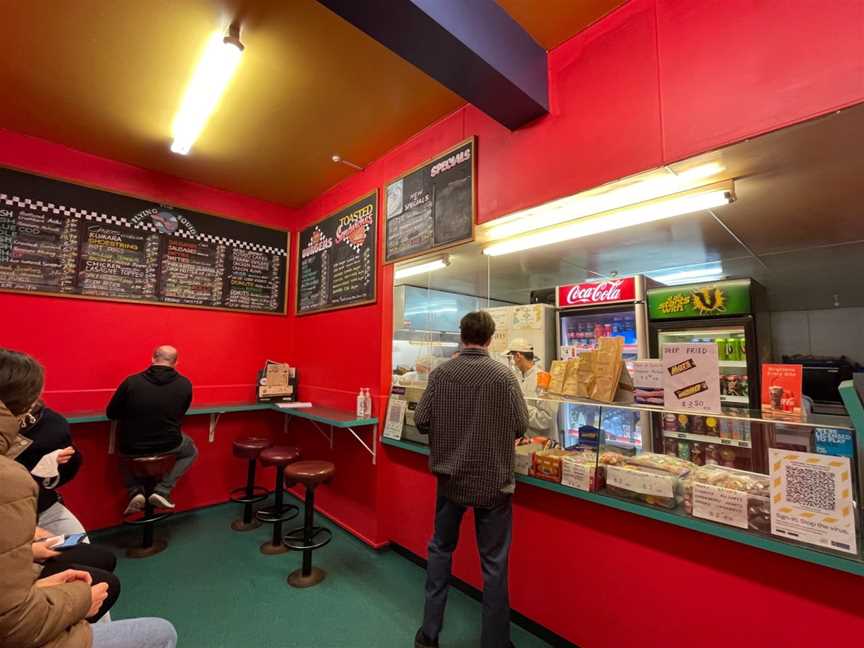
(612, 290)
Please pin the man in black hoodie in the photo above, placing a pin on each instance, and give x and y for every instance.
(149, 408)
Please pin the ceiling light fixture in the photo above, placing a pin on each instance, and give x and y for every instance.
(338, 159)
(422, 268)
(707, 197)
(644, 187)
(712, 271)
(211, 77)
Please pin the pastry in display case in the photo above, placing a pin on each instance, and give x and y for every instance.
(717, 490)
(648, 477)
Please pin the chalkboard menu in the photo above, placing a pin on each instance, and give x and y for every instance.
(432, 207)
(336, 259)
(65, 239)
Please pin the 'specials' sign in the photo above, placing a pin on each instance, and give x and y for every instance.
(605, 292)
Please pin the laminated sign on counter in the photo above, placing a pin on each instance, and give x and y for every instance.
(691, 376)
(811, 499)
(276, 383)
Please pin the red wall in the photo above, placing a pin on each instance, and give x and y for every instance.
(657, 81)
(88, 347)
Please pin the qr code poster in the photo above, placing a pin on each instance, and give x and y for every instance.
(811, 499)
(396, 409)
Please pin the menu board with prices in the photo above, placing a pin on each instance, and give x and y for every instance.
(336, 260)
(433, 206)
(64, 239)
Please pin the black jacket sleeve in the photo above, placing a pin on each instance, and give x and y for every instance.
(117, 406)
(68, 470)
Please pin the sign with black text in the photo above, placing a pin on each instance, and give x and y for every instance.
(336, 259)
(691, 376)
(433, 206)
(63, 239)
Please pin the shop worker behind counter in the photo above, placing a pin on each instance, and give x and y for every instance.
(149, 408)
(473, 411)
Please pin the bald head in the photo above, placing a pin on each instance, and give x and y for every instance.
(165, 356)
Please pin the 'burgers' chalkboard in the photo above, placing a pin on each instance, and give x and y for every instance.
(336, 259)
(64, 239)
(433, 206)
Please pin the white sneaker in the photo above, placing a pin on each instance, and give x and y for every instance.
(135, 505)
(160, 501)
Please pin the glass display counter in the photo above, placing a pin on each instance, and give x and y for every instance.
(804, 503)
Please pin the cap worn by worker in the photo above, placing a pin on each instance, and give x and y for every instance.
(521, 345)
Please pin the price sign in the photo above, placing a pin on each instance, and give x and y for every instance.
(691, 376)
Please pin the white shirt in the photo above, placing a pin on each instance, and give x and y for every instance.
(542, 414)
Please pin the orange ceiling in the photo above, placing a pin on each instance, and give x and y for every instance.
(551, 22)
(106, 78)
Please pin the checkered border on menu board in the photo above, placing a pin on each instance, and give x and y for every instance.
(48, 207)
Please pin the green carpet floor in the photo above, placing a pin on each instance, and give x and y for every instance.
(221, 592)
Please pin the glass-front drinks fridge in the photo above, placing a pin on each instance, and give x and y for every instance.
(733, 315)
(586, 312)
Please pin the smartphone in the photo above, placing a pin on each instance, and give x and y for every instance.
(70, 541)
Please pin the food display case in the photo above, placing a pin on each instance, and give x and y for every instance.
(774, 501)
(587, 312)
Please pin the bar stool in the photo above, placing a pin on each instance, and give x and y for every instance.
(149, 471)
(278, 456)
(249, 448)
(308, 538)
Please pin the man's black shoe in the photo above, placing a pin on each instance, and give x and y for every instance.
(422, 641)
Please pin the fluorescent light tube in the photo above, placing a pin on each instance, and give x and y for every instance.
(429, 266)
(689, 274)
(211, 77)
(707, 197)
(565, 209)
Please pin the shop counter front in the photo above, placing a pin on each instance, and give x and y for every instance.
(782, 510)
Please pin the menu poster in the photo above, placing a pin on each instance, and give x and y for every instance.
(432, 206)
(64, 239)
(336, 259)
(781, 388)
(811, 499)
(691, 376)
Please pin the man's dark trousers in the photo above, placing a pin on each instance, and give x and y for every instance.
(493, 527)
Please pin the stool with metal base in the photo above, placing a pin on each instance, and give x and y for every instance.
(148, 471)
(308, 538)
(278, 456)
(249, 448)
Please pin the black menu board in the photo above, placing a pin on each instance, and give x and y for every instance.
(433, 206)
(64, 239)
(336, 259)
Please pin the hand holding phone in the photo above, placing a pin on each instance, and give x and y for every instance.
(69, 541)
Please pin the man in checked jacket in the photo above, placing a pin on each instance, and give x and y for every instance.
(473, 411)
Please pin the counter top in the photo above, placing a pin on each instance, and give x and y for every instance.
(767, 543)
(330, 416)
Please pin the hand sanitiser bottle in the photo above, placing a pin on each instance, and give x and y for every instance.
(367, 408)
(361, 404)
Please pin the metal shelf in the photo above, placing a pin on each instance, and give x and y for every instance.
(705, 438)
(733, 363)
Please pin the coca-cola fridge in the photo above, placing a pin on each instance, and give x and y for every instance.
(586, 312)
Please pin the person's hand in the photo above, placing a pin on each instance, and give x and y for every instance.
(65, 455)
(98, 594)
(41, 534)
(42, 549)
(68, 576)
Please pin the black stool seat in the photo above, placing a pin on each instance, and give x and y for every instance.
(309, 537)
(149, 470)
(248, 448)
(278, 456)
